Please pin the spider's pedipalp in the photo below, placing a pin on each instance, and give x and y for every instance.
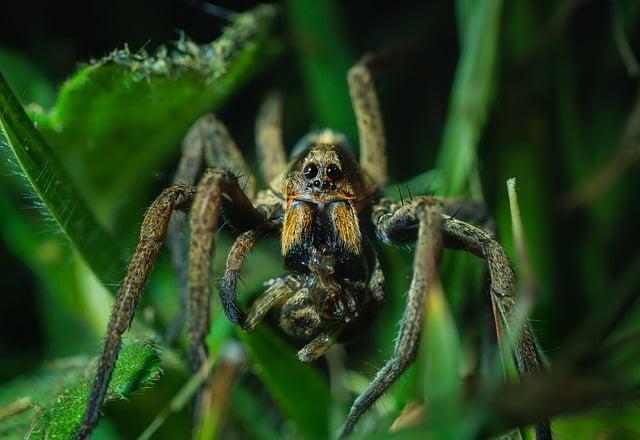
(244, 243)
(425, 263)
(152, 235)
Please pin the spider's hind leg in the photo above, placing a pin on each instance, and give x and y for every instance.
(218, 194)
(529, 359)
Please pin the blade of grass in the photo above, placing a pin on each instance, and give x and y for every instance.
(442, 371)
(56, 190)
(471, 95)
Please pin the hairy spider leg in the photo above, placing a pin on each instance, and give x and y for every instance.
(461, 235)
(425, 277)
(218, 193)
(469, 211)
(208, 141)
(152, 235)
(269, 146)
(373, 148)
(396, 223)
(278, 291)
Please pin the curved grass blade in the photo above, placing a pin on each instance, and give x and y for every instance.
(56, 190)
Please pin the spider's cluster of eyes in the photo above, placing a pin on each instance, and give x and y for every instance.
(333, 172)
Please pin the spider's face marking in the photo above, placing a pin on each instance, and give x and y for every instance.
(324, 171)
(322, 188)
(318, 175)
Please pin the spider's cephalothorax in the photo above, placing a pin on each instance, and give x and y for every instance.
(321, 238)
(328, 209)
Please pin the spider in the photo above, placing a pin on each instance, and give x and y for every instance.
(328, 209)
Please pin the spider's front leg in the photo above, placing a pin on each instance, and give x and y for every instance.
(218, 193)
(152, 234)
(427, 255)
(461, 235)
(397, 224)
(208, 141)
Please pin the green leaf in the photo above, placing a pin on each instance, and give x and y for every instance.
(30, 85)
(299, 389)
(122, 117)
(115, 124)
(51, 403)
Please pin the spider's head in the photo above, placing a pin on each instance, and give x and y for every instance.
(324, 170)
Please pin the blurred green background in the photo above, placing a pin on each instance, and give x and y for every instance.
(475, 92)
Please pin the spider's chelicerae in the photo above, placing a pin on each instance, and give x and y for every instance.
(327, 208)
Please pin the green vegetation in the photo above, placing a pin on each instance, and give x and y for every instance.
(506, 89)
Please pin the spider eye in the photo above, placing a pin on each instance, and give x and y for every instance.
(310, 170)
(333, 172)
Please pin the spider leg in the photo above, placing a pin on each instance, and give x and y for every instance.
(376, 281)
(270, 149)
(373, 154)
(244, 244)
(461, 235)
(218, 193)
(396, 223)
(469, 211)
(208, 140)
(427, 255)
(152, 234)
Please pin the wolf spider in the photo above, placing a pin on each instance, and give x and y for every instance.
(327, 209)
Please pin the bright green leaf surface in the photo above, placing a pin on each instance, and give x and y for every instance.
(50, 404)
(119, 119)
